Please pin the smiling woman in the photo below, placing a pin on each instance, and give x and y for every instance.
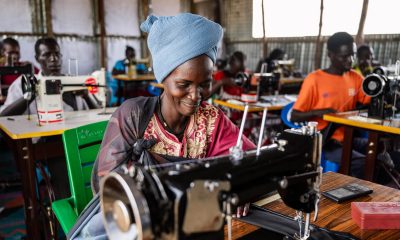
(179, 123)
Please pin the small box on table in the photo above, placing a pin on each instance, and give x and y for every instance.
(376, 215)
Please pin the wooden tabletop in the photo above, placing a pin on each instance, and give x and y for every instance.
(279, 102)
(19, 127)
(359, 119)
(290, 80)
(335, 216)
(138, 77)
(158, 85)
(240, 107)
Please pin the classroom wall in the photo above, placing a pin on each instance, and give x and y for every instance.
(76, 28)
(165, 7)
(122, 22)
(76, 17)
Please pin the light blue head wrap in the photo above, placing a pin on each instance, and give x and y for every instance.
(174, 40)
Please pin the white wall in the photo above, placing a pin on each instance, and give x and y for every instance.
(121, 17)
(76, 17)
(85, 51)
(165, 7)
(27, 49)
(72, 16)
(15, 16)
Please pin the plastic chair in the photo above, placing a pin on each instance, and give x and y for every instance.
(328, 166)
(81, 148)
(154, 91)
(286, 114)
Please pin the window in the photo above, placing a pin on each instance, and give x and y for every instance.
(286, 18)
(341, 16)
(382, 17)
(294, 18)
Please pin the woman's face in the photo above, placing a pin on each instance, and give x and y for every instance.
(188, 85)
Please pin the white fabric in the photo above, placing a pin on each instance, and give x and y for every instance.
(15, 93)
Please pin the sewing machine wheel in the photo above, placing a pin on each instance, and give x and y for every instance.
(28, 86)
(373, 84)
(119, 200)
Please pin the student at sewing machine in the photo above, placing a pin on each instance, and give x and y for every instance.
(365, 56)
(130, 67)
(225, 79)
(335, 89)
(48, 55)
(130, 58)
(276, 54)
(178, 123)
(11, 55)
(220, 64)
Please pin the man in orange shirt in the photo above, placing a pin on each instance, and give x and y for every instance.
(335, 89)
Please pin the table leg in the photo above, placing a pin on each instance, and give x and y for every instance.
(370, 158)
(119, 92)
(124, 90)
(347, 148)
(26, 165)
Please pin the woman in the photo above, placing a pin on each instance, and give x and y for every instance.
(184, 50)
(178, 123)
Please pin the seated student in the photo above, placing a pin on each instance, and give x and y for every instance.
(121, 67)
(178, 123)
(130, 55)
(47, 54)
(225, 79)
(276, 54)
(10, 50)
(220, 64)
(365, 56)
(335, 89)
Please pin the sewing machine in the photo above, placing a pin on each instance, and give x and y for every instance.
(384, 90)
(13, 70)
(193, 199)
(268, 83)
(48, 91)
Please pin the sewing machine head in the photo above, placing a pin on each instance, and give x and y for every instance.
(48, 91)
(11, 70)
(192, 199)
(384, 91)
